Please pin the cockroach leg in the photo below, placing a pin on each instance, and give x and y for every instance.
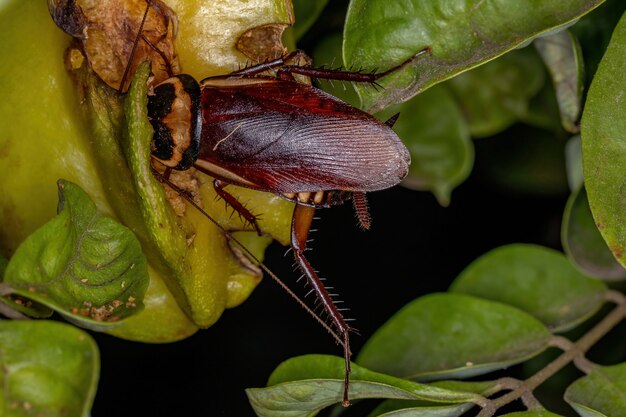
(353, 76)
(300, 226)
(167, 173)
(187, 196)
(267, 66)
(219, 186)
(285, 71)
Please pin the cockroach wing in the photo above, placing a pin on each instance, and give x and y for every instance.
(283, 136)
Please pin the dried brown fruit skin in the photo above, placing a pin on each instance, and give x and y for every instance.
(262, 43)
(107, 31)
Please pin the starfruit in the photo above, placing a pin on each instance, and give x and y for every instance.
(60, 121)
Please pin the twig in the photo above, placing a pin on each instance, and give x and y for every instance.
(615, 297)
(581, 362)
(530, 401)
(561, 342)
(576, 350)
(508, 383)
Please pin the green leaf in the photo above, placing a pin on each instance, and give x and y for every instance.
(49, 369)
(497, 94)
(583, 242)
(453, 335)
(604, 145)
(405, 408)
(535, 279)
(562, 55)
(304, 385)
(601, 393)
(462, 34)
(433, 129)
(82, 264)
(574, 163)
(421, 408)
(484, 388)
(307, 12)
(532, 413)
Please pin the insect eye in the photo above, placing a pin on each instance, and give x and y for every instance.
(175, 114)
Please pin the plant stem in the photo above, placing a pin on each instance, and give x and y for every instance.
(574, 351)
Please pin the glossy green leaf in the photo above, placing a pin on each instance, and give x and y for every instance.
(484, 388)
(82, 264)
(583, 242)
(453, 335)
(604, 145)
(535, 279)
(532, 413)
(307, 12)
(462, 35)
(421, 408)
(418, 409)
(497, 94)
(49, 369)
(21, 304)
(601, 393)
(562, 55)
(434, 131)
(304, 385)
(574, 163)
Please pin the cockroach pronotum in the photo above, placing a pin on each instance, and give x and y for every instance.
(272, 133)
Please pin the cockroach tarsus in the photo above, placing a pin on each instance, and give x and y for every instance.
(274, 134)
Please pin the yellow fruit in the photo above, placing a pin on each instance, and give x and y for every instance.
(47, 132)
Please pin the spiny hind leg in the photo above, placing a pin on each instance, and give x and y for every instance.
(300, 226)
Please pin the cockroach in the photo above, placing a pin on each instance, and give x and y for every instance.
(274, 134)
